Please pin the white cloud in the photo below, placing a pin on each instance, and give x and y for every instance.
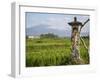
(59, 23)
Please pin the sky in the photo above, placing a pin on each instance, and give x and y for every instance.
(55, 21)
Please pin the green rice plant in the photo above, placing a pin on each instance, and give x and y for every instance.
(51, 52)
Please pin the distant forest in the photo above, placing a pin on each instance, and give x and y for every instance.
(52, 35)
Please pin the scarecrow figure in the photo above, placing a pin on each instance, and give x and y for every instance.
(75, 38)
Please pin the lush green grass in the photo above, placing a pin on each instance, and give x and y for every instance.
(51, 52)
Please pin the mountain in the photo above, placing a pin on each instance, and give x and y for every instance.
(43, 29)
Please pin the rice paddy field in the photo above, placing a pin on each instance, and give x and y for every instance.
(52, 52)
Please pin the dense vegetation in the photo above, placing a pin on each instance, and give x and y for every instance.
(52, 51)
(48, 35)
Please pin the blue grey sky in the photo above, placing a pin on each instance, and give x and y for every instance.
(55, 21)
